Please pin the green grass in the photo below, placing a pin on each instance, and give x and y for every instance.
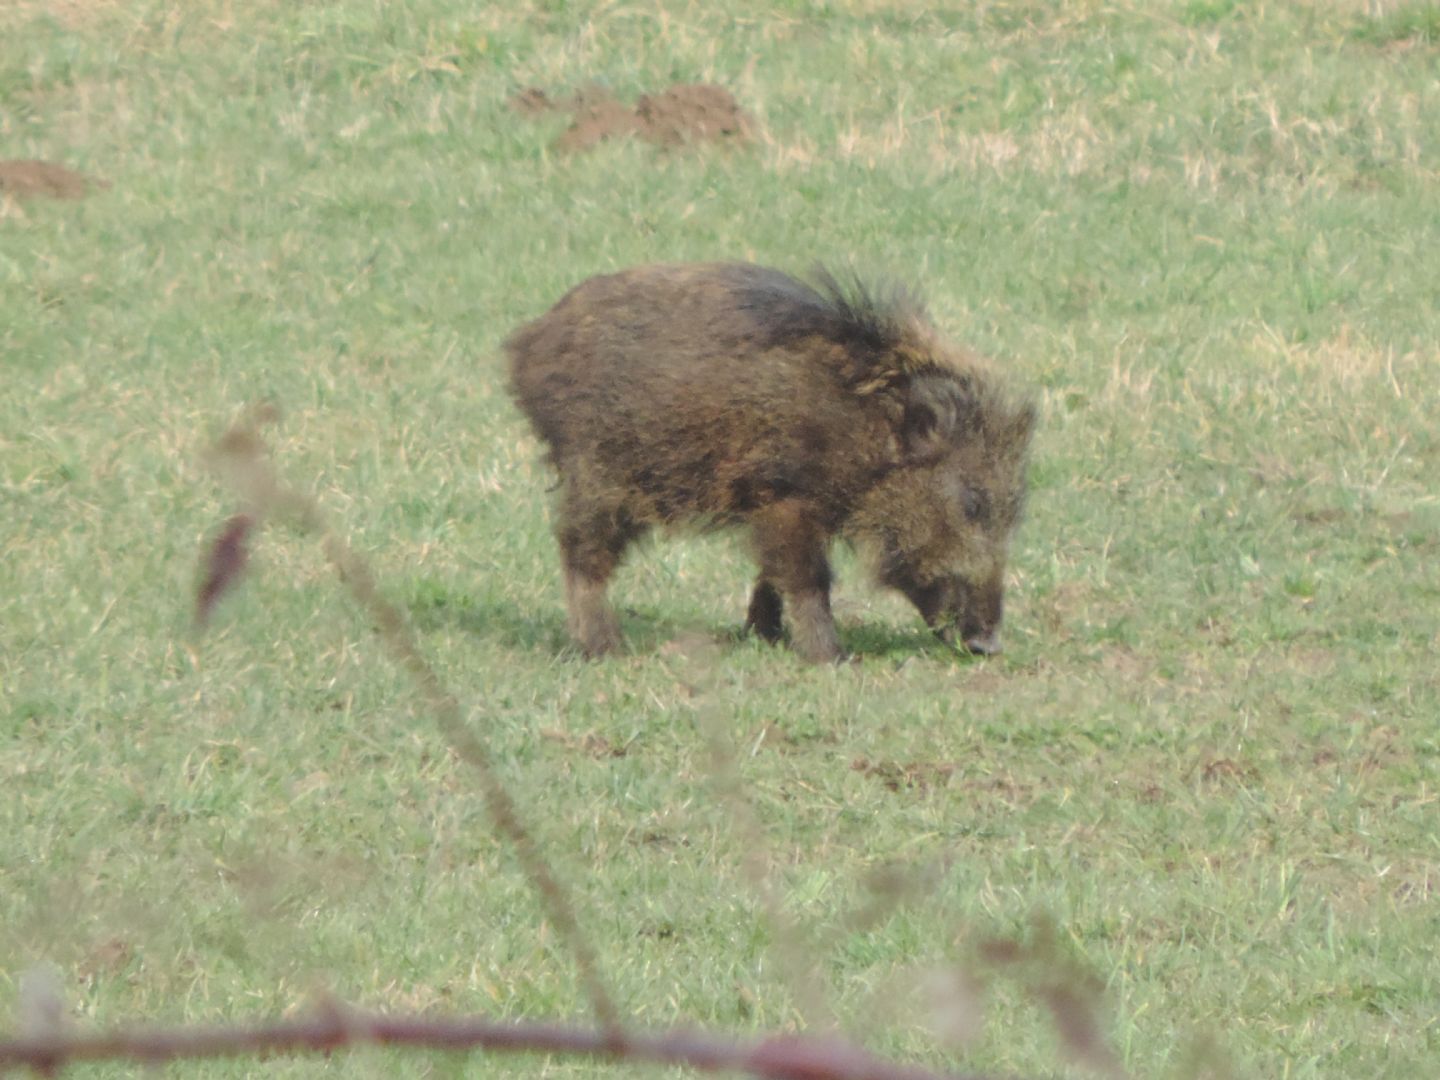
(1207, 234)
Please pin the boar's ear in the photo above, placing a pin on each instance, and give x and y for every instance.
(1022, 426)
(933, 408)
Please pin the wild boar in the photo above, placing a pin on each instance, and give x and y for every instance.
(726, 394)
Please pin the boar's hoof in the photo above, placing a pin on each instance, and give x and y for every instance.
(597, 635)
(763, 617)
(822, 648)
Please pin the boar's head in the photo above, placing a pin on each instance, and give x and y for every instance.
(939, 524)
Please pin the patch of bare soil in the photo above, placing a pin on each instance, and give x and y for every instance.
(1227, 772)
(589, 744)
(915, 774)
(44, 179)
(677, 115)
(687, 113)
(595, 118)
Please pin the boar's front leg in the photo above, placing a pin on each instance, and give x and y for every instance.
(790, 546)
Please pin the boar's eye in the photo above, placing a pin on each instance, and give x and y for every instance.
(974, 504)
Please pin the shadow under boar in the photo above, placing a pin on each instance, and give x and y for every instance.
(719, 394)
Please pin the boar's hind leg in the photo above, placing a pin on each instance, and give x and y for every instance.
(591, 546)
(764, 614)
(790, 547)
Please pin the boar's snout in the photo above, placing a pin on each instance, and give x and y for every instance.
(979, 636)
(986, 644)
(961, 612)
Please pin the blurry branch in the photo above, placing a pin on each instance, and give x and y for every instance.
(782, 1058)
(240, 457)
(1069, 993)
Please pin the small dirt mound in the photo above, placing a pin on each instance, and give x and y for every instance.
(44, 179)
(680, 114)
(691, 113)
(594, 118)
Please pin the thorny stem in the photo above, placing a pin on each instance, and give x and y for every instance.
(243, 451)
(395, 632)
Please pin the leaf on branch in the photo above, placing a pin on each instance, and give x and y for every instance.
(1077, 1023)
(223, 565)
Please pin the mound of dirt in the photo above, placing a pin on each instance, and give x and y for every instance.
(683, 113)
(680, 114)
(44, 179)
(594, 118)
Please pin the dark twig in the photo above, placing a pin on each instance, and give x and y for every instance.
(782, 1058)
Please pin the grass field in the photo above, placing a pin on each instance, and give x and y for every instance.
(1206, 233)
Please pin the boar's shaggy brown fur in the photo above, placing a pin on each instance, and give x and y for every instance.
(729, 394)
